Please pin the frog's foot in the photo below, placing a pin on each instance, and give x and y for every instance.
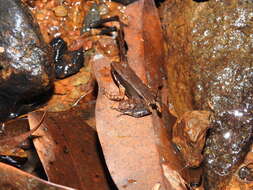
(132, 108)
(156, 106)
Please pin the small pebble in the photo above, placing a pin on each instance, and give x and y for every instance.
(60, 11)
(2, 49)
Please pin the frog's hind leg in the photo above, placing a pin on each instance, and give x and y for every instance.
(116, 97)
(132, 107)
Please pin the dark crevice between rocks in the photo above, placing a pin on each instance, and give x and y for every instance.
(158, 3)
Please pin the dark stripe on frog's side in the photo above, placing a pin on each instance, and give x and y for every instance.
(26, 61)
(132, 83)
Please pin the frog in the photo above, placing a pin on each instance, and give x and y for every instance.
(222, 73)
(130, 85)
(140, 100)
(224, 85)
(210, 53)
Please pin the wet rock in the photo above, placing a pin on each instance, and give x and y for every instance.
(66, 62)
(210, 65)
(26, 69)
(189, 136)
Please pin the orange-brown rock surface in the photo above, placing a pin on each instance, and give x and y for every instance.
(209, 61)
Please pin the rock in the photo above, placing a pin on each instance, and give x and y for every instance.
(26, 69)
(210, 68)
(189, 135)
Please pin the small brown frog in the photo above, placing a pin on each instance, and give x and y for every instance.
(141, 101)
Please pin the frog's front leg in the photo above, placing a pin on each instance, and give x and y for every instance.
(115, 96)
(134, 107)
(127, 104)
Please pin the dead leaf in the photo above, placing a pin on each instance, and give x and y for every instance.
(135, 148)
(13, 178)
(68, 150)
(12, 143)
(14, 128)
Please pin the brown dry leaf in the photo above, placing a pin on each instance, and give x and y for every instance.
(154, 55)
(12, 143)
(11, 129)
(68, 150)
(137, 150)
(175, 20)
(13, 178)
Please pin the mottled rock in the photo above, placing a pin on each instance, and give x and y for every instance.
(26, 69)
(210, 65)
